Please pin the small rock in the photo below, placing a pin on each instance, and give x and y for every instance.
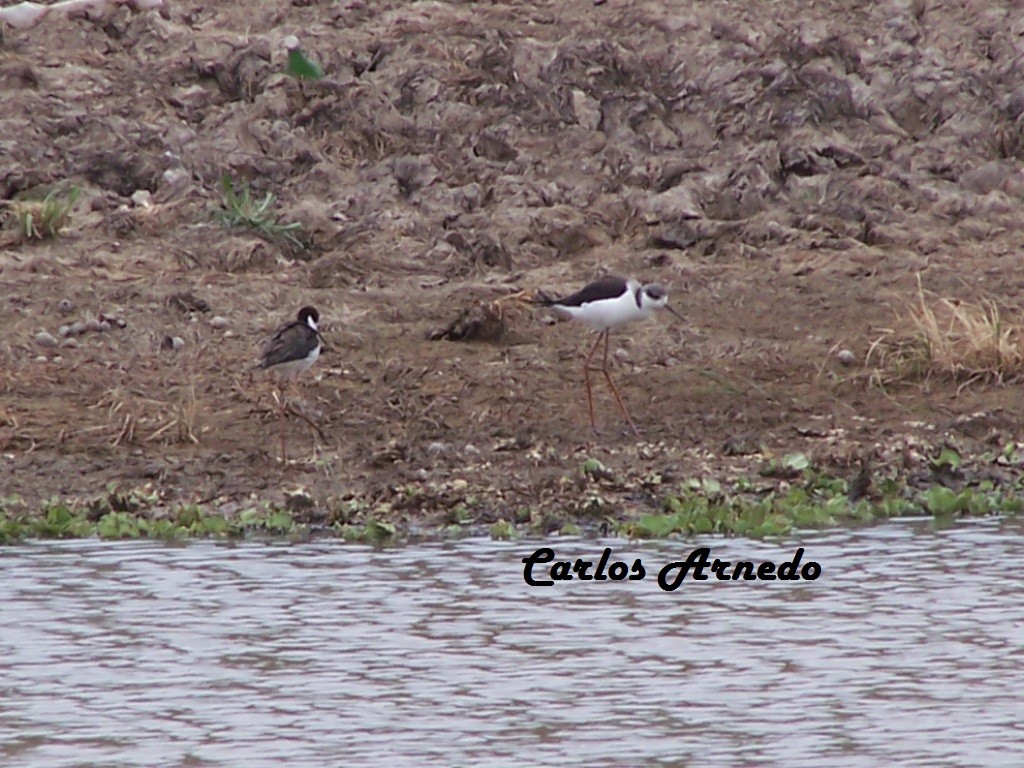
(76, 329)
(70, 343)
(174, 180)
(93, 325)
(172, 343)
(142, 198)
(218, 322)
(105, 326)
(471, 450)
(64, 330)
(45, 339)
(42, 359)
(113, 320)
(64, 306)
(436, 448)
(846, 357)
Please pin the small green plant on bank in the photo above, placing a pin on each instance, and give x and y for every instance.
(241, 210)
(752, 506)
(815, 500)
(44, 219)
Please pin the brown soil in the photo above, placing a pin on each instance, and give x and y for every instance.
(788, 170)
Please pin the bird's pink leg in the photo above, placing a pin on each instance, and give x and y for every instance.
(586, 377)
(618, 397)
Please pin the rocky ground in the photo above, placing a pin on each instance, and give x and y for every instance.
(797, 174)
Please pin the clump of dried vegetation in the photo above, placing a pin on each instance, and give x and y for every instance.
(962, 341)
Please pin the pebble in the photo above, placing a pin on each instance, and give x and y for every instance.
(70, 343)
(435, 448)
(64, 330)
(76, 329)
(94, 325)
(45, 339)
(172, 343)
(217, 321)
(846, 357)
(142, 198)
(64, 306)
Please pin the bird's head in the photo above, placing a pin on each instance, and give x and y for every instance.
(656, 297)
(310, 316)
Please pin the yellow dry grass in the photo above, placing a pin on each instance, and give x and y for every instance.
(963, 341)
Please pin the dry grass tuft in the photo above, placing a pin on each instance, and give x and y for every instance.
(961, 341)
(134, 419)
(483, 321)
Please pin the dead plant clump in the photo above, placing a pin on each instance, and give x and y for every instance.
(961, 341)
(133, 419)
(483, 320)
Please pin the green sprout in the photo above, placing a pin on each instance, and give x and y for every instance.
(241, 210)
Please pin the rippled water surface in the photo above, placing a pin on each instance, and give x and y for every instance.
(906, 651)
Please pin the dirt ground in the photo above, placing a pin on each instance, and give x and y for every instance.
(790, 171)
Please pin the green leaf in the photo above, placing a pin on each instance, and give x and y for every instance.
(796, 461)
(503, 530)
(947, 458)
(301, 66)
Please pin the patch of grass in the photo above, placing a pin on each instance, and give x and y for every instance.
(240, 209)
(44, 219)
(963, 341)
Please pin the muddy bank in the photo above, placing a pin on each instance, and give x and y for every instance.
(789, 181)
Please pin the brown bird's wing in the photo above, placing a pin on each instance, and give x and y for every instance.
(293, 341)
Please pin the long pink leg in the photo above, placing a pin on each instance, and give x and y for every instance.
(282, 422)
(618, 397)
(586, 377)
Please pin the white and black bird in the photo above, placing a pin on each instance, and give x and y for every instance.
(291, 351)
(294, 347)
(604, 305)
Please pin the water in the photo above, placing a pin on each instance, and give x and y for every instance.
(906, 651)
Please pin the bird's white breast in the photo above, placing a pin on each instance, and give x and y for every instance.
(607, 314)
(294, 368)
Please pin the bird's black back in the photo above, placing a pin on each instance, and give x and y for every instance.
(610, 287)
(293, 341)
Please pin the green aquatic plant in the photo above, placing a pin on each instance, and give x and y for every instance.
(503, 529)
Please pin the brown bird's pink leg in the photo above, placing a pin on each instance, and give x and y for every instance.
(618, 397)
(282, 420)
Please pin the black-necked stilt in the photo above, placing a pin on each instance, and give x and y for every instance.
(291, 351)
(604, 305)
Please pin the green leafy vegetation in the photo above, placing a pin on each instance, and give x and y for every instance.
(44, 219)
(240, 209)
(788, 494)
(300, 66)
(816, 501)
